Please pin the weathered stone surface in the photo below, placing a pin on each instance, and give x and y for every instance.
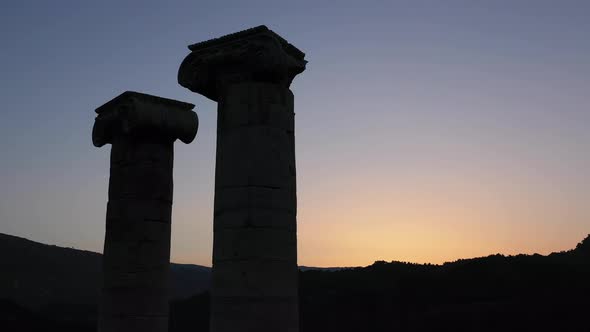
(251, 197)
(253, 55)
(256, 103)
(130, 182)
(250, 313)
(141, 129)
(138, 210)
(255, 277)
(136, 246)
(255, 246)
(127, 323)
(257, 156)
(144, 301)
(128, 151)
(137, 114)
(138, 280)
(255, 218)
(254, 243)
(254, 92)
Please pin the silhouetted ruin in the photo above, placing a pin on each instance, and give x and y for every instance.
(255, 243)
(142, 130)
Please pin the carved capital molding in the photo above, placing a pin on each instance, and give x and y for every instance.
(256, 54)
(138, 114)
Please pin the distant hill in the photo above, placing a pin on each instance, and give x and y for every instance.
(494, 293)
(311, 268)
(66, 281)
(583, 248)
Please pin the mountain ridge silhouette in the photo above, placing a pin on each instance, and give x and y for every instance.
(57, 280)
(512, 293)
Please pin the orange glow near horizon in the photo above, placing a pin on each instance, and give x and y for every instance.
(422, 219)
(433, 222)
(423, 132)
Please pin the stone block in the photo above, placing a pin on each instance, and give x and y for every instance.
(268, 93)
(276, 219)
(260, 156)
(281, 117)
(137, 210)
(125, 278)
(254, 314)
(254, 243)
(126, 151)
(148, 301)
(239, 93)
(117, 323)
(137, 246)
(235, 116)
(260, 198)
(255, 277)
(141, 182)
(232, 115)
(255, 103)
(256, 93)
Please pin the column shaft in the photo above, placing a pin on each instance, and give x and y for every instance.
(255, 245)
(255, 238)
(137, 242)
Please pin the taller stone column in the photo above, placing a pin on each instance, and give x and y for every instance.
(142, 130)
(255, 242)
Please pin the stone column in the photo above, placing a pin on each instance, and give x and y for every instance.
(255, 242)
(142, 130)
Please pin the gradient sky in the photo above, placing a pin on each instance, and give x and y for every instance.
(426, 130)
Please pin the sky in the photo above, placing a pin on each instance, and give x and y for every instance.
(426, 131)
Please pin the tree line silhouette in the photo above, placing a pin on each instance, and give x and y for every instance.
(497, 292)
(508, 293)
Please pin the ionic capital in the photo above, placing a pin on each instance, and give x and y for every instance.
(138, 114)
(256, 54)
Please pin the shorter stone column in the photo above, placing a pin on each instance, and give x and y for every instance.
(142, 130)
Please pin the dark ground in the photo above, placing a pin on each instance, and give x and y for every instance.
(494, 293)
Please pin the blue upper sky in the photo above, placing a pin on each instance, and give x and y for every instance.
(426, 130)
